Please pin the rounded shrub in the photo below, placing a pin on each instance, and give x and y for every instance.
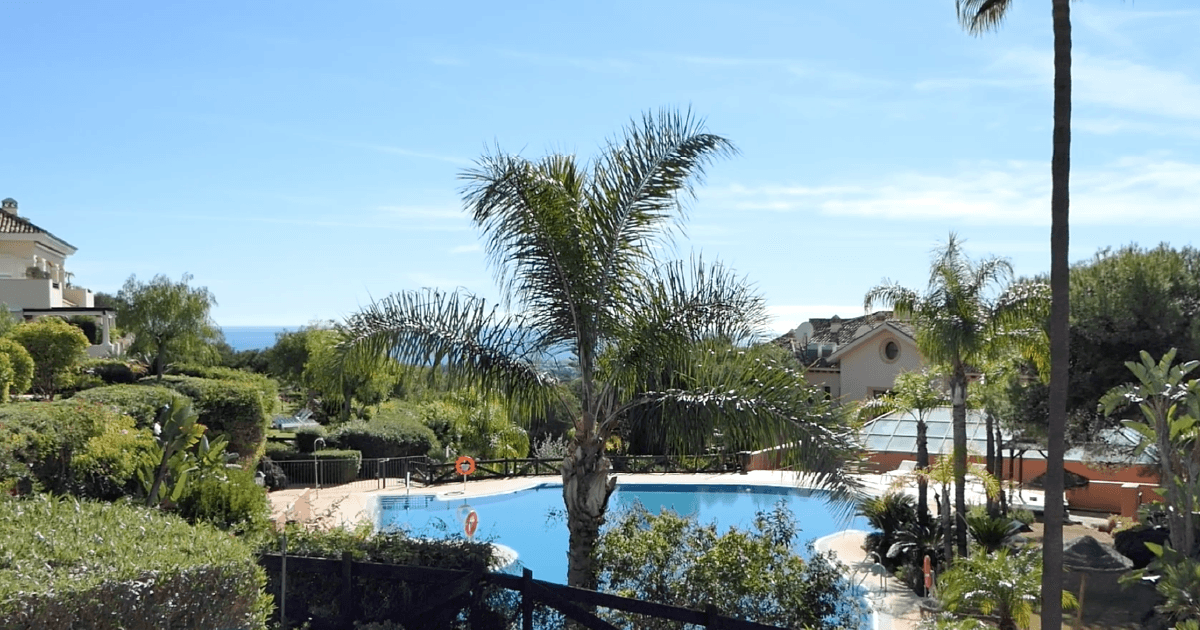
(238, 409)
(381, 438)
(306, 438)
(141, 402)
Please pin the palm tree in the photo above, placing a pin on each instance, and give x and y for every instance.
(958, 325)
(1003, 584)
(917, 394)
(978, 16)
(573, 248)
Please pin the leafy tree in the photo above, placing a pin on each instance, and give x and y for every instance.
(753, 575)
(20, 363)
(918, 394)
(287, 358)
(960, 325)
(57, 349)
(573, 246)
(978, 16)
(1124, 302)
(169, 320)
(340, 385)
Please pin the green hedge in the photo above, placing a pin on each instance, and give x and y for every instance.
(237, 409)
(231, 501)
(337, 466)
(139, 401)
(267, 385)
(113, 371)
(306, 438)
(77, 564)
(383, 438)
(70, 446)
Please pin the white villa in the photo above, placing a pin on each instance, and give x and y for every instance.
(854, 359)
(34, 281)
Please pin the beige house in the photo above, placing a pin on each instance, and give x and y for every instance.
(34, 281)
(854, 359)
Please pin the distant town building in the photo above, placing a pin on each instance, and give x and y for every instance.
(34, 281)
(854, 359)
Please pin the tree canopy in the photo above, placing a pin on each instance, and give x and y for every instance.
(56, 348)
(170, 320)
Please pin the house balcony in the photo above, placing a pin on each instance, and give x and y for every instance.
(23, 293)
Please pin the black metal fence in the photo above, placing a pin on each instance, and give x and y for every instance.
(455, 589)
(399, 471)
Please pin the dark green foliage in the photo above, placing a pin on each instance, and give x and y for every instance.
(229, 501)
(141, 402)
(306, 438)
(316, 597)
(753, 575)
(384, 438)
(71, 564)
(57, 349)
(112, 371)
(336, 466)
(888, 515)
(992, 533)
(70, 447)
(239, 409)
(169, 320)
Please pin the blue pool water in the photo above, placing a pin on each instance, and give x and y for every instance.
(533, 521)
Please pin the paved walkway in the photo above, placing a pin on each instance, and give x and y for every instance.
(895, 607)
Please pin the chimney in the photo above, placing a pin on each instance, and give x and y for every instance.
(9, 205)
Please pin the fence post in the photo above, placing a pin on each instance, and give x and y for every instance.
(349, 601)
(710, 617)
(283, 581)
(526, 599)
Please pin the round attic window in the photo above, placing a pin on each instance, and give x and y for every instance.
(891, 351)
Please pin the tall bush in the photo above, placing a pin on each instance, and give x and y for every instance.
(236, 409)
(753, 575)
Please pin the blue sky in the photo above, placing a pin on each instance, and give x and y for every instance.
(301, 158)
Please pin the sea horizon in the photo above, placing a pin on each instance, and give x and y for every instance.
(242, 338)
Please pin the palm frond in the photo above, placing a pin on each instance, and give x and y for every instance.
(979, 16)
(636, 188)
(457, 333)
(901, 300)
(535, 235)
(757, 403)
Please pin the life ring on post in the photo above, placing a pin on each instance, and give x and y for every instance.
(471, 523)
(464, 465)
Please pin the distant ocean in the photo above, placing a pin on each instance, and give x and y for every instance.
(252, 337)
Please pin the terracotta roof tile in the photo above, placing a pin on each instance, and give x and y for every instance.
(14, 224)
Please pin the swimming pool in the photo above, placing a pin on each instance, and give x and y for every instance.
(533, 521)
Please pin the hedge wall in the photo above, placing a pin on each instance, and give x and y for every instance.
(379, 438)
(237, 409)
(337, 466)
(139, 401)
(267, 385)
(78, 564)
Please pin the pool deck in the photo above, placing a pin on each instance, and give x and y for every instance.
(896, 608)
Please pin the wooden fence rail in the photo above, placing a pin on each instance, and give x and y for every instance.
(457, 586)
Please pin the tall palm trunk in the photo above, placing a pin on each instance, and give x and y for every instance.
(1060, 172)
(922, 482)
(586, 488)
(993, 509)
(958, 397)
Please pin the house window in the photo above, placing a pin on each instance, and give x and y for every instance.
(889, 351)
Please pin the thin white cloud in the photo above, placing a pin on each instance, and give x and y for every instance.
(1151, 189)
(466, 249)
(415, 154)
(424, 212)
(591, 64)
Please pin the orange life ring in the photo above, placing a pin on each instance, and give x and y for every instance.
(464, 465)
(471, 523)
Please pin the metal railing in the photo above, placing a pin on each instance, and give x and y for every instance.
(401, 471)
